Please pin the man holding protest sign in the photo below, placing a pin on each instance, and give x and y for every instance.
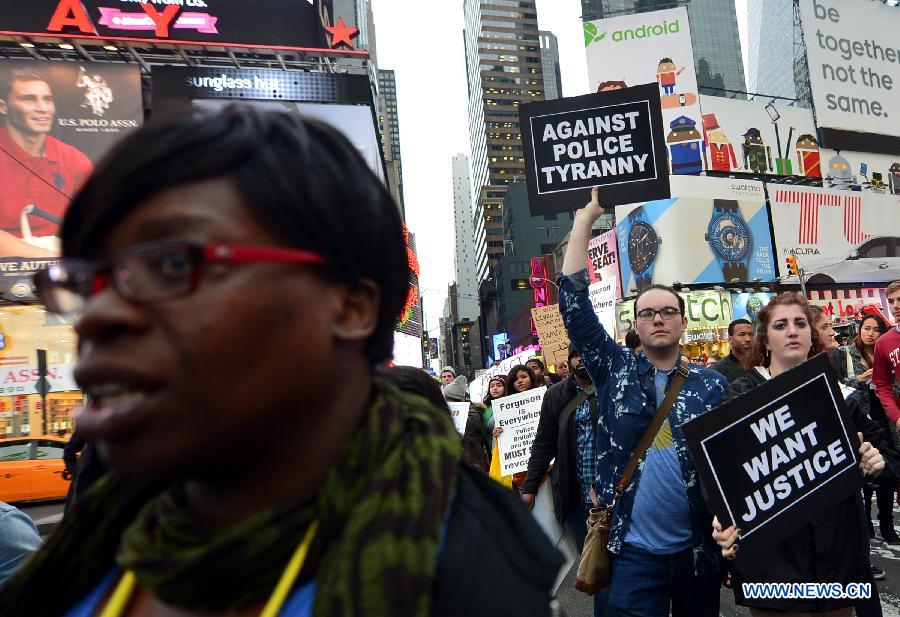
(834, 546)
(658, 536)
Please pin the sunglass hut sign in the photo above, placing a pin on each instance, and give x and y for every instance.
(224, 82)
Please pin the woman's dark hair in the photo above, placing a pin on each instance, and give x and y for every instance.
(882, 327)
(632, 340)
(487, 395)
(415, 381)
(511, 378)
(760, 353)
(301, 179)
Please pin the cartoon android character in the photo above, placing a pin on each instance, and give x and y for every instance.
(606, 86)
(757, 155)
(666, 74)
(685, 146)
(721, 152)
(840, 176)
(894, 178)
(808, 157)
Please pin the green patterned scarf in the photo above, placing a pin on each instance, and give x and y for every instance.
(381, 511)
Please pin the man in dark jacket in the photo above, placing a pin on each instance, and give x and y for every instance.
(566, 432)
(570, 440)
(737, 363)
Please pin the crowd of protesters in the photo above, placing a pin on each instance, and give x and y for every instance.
(370, 500)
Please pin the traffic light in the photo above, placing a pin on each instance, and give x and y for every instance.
(792, 265)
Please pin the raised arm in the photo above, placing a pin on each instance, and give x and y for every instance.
(598, 349)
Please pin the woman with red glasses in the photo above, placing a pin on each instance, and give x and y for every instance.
(236, 279)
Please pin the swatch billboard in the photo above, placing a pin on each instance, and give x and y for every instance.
(712, 230)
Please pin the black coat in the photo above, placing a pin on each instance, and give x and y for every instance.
(496, 559)
(550, 443)
(730, 368)
(833, 548)
(474, 451)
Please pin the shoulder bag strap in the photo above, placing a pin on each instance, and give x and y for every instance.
(653, 429)
(574, 403)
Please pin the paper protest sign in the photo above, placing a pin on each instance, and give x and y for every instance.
(552, 333)
(776, 457)
(603, 259)
(459, 413)
(613, 140)
(518, 416)
(478, 388)
(603, 299)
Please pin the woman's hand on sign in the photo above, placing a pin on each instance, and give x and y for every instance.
(870, 460)
(593, 210)
(864, 377)
(497, 432)
(726, 538)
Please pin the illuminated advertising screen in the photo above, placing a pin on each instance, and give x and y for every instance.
(309, 25)
(653, 47)
(56, 120)
(712, 230)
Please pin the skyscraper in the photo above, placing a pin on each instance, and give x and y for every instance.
(389, 124)
(504, 68)
(714, 32)
(550, 65)
(464, 240)
(775, 45)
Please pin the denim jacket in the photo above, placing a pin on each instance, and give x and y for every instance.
(627, 395)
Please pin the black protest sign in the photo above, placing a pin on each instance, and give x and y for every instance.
(778, 456)
(613, 140)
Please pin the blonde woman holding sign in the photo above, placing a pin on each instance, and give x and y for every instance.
(833, 548)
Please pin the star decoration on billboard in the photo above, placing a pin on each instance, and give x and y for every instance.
(341, 33)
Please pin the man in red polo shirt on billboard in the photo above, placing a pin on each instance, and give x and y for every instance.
(886, 365)
(38, 173)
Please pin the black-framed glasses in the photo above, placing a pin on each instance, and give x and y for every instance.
(151, 272)
(668, 313)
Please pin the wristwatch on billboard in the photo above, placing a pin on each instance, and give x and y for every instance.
(643, 245)
(729, 238)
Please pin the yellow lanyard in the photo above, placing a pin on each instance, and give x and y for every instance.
(118, 601)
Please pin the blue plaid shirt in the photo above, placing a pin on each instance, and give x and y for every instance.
(627, 401)
(586, 457)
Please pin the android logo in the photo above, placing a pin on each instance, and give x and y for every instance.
(894, 178)
(685, 146)
(839, 173)
(757, 155)
(808, 157)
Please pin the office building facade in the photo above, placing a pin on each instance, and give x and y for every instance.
(504, 68)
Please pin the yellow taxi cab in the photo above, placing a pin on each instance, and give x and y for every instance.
(31, 468)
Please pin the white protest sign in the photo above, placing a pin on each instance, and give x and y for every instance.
(478, 388)
(459, 412)
(518, 416)
(603, 299)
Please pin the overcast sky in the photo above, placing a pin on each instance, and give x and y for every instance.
(423, 43)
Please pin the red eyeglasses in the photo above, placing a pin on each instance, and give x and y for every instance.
(152, 272)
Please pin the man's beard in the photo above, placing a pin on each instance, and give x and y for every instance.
(582, 372)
